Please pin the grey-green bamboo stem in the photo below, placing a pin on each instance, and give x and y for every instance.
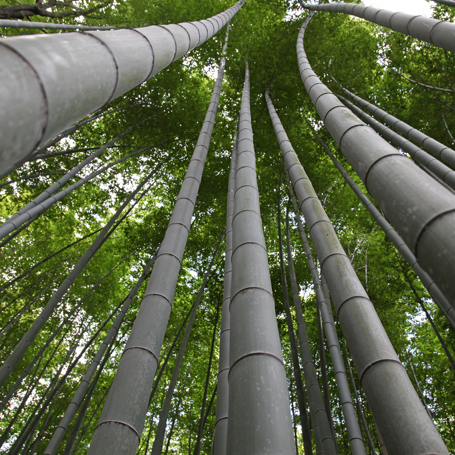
(22, 275)
(436, 148)
(222, 402)
(354, 388)
(418, 384)
(98, 66)
(353, 428)
(122, 420)
(78, 396)
(397, 241)
(197, 448)
(62, 180)
(319, 416)
(420, 208)
(446, 2)
(259, 411)
(433, 31)
(416, 153)
(294, 353)
(159, 435)
(26, 215)
(427, 86)
(390, 393)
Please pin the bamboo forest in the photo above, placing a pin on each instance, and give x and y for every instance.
(226, 227)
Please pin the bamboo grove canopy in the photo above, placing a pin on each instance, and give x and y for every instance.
(227, 228)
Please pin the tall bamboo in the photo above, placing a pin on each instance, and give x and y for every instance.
(439, 169)
(433, 31)
(222, 402)
(122, 420)
(389, 391)
(435, 147)
(259, 411)
(427, 281)
(78, 396)
(422, 211)
(50, 81)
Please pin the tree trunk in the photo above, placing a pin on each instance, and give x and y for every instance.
(122, 419)
(390, 393)
(397, 241)
(259, 412)
(98, 66)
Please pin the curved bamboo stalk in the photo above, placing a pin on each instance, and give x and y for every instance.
(122, 420)
(259, 411)
(353, 429)
(390, 393)
(437, 149)
(427, 281)
(420, 208)
(222, 402)
(433, 31)
(28, 177)
(98, 66)
(417, 154)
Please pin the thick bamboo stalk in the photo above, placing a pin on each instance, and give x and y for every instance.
(259, 411)
(354, 431)
(427, 281)
(417, 154)
(50, 81)
(389, 391)
(122, 420)
(433, 31)
(420, 208)
(222, 402)
(78, 396)
(437, 149)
